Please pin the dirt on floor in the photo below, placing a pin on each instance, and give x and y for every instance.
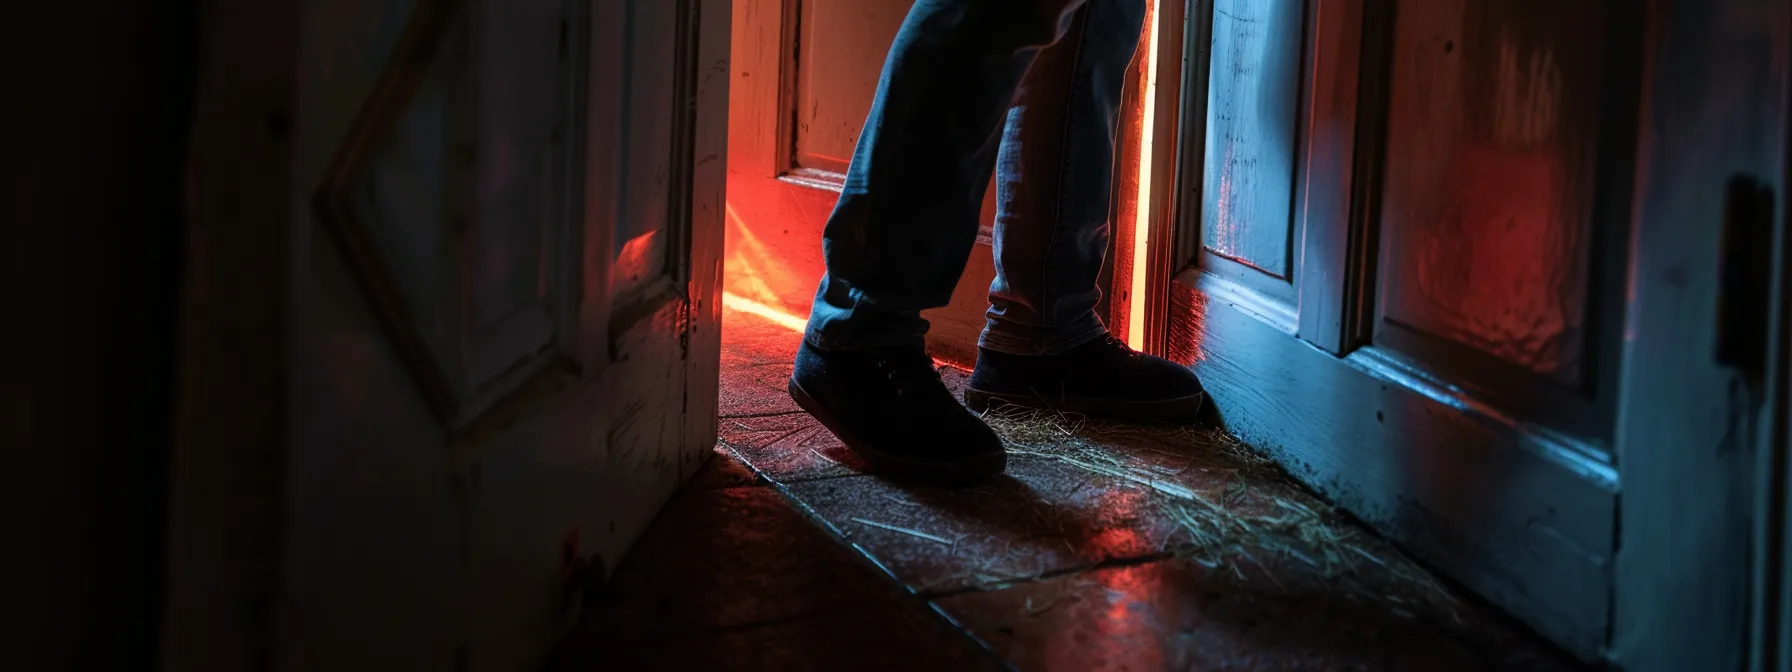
(1103, 547)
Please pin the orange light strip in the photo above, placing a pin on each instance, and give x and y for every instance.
(742, 304)
(1141, 230)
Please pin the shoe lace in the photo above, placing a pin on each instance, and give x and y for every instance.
(906, 370)
(1120, 345)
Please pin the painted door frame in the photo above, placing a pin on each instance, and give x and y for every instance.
(1716, 112)
(1149, 188)
(1771, 632)
(1681, 571)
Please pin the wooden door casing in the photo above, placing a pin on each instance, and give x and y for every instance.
(1715, 112)
(490, 234)
(1770, 637)
(1291, 306)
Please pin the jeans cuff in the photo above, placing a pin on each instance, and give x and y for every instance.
(1001, 337)
(837, 343)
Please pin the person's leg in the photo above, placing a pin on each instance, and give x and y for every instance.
(906, 220)
(899, 237)
(1054, 176)
(1043, 344)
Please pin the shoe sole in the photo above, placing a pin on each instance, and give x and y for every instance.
(956, 473)
(1178, 411)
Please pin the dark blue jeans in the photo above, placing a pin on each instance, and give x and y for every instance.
(1027, 88)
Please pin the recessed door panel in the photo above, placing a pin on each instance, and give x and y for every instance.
(642, 244)
(1252, 120)
(516, 256)
(839, 60)
(1494, 128)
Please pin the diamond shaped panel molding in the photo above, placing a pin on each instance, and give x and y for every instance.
(391, 198)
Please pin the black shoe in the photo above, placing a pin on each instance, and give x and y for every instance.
(1102, 378)
(890, 408)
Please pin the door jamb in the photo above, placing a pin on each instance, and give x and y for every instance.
(1686, 438)
(1770, 635)
(1184, 29)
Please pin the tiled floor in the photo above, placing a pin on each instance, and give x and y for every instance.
(1103, 548)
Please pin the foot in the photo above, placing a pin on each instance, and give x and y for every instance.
(891, 409)
(1102, 378)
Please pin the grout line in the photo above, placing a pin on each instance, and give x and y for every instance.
(833, 529)
(737, 448)
(1109, 563)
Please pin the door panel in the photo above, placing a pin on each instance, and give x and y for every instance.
(475, 415)
(403, 194)
(841, 52)
(520, 170)
(519, 265)
(449, 195)
(1460, 181)
(1487, 199)
(640, 244)
(1251, 129)
(1506, 125)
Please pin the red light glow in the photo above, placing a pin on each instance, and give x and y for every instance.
(1141, 232)
(741, 304)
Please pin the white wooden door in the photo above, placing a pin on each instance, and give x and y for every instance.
(453, 320)
(1433, 262)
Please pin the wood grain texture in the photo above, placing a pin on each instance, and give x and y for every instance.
(1175, 31)
(842, 48)
(1504, 205)
(1241, 217)
(702, 346)
(1505, 482)
(1123, 210)
(1715, 109)
(581, 475)
(1332, 253)
(1254, 96)
(1487, 220)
